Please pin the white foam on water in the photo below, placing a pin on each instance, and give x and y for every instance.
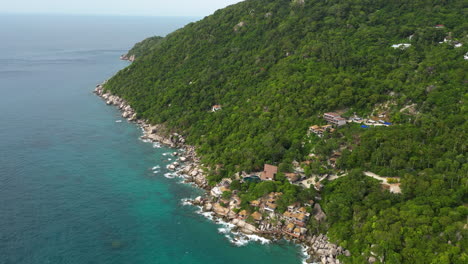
(156, 172)
(237, 238)
(305, 256)
(118, 121)
(258, 239)
(156, 167)
(157, 145)
(170, 175)
(185, 201)
(239, 241)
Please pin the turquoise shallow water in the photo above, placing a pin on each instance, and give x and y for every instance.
(75, 186)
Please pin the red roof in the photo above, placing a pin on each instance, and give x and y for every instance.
(269, 172)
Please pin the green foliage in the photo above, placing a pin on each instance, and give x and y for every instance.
(424, 224)
(276, 65)
(145, 47)
(226, 195)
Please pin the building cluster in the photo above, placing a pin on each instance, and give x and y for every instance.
(333, 119)
(265, 214)
(267, 204)
(295, 220)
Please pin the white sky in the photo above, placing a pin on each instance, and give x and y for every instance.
(117, 7)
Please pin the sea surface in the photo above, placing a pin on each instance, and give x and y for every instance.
(75, 185)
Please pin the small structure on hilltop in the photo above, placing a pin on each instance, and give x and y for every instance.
(269, 173)
(334, 119)
(215, 108)
(401, 46)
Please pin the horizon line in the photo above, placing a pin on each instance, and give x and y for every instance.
(96, 14)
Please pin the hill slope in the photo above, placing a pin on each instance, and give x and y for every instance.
(276, 66)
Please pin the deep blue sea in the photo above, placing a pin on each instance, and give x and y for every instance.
(76, 186)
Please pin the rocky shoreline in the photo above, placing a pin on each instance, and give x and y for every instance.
(318, 248)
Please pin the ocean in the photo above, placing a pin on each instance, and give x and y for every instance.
(75, 185)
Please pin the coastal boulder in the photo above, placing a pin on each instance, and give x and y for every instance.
(207, 207)
(248, 229)
(319, 215)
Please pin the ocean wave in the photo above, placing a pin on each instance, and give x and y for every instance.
(157, 145)
(170, 175)
(304, 254)
(185, 201)
(145, 140)
(156, 167)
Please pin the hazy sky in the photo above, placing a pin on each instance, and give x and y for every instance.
(117, 7)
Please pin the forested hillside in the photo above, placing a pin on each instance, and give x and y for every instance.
(275, 66)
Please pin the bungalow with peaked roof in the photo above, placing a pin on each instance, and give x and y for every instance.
(215, 108)
(268, 173)
(255, 203)
(243, 214)
(334, 119)
(299, 231)
(292, 177)
(257, 217)
(298, 216)
(271, 207)
(293, 207)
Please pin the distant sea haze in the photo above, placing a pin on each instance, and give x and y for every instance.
(75, 185)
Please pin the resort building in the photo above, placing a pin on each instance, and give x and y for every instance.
(268, 173)
(334, 119)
